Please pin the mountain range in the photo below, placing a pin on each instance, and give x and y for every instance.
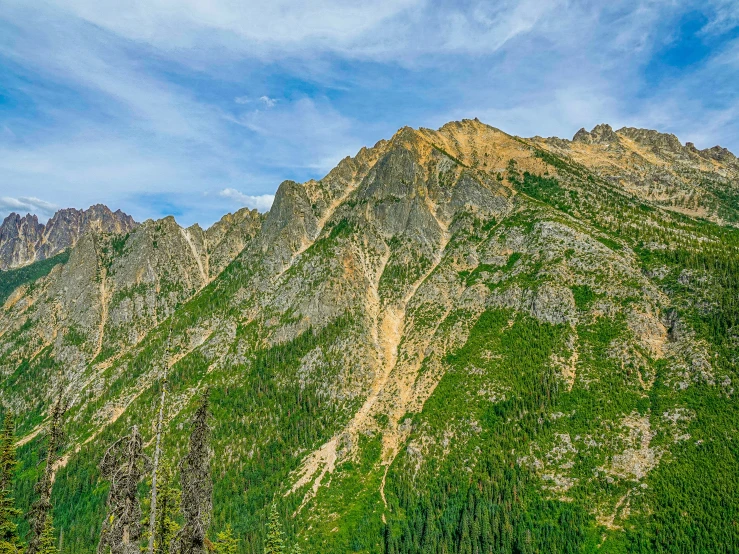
(458, 340)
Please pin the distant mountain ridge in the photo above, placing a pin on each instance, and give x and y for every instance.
(23, 240)
(604, 134)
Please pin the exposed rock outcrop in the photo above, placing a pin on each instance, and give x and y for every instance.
(601, 134)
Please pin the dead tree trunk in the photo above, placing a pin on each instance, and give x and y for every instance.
(157, 449)
(124, 464)
(41, 509)
(197, 487)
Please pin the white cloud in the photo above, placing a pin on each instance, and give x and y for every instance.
(487, 26)
(386, 30)
(26, 204)
(262, 202)
(266, 100)
(262, 26)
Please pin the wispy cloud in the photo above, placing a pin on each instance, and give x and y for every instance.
(263, 100)
(383, 29)
(725, 16)
(26, 204)
(262, 28)
(305, 133)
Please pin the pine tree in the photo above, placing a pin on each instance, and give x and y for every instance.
(47, 544)
(9, 541)
(123, 465)
(275, 542)
(226, 543)
(41, 509)
(168, 505)
(197, 486)
(8, 460)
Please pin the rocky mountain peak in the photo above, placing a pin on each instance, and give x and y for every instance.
(719, 153)
(18, 235)
(601, 134)
(23, 240)
(17, 222)
(654, 139)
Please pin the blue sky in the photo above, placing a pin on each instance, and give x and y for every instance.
(196, 108)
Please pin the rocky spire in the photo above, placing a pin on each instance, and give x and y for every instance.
(23, 240)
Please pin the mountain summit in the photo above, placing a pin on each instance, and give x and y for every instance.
(456, 341)
(23, 240)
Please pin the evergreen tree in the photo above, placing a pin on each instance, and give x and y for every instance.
(9, 541)
(41, 509)
(47, 544)
(8, 460)
(168, 505)
(197, 486)
(123, 465)
(275, 543)
(226, 543)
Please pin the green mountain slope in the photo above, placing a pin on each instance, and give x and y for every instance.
(15, 278)
(457, 341)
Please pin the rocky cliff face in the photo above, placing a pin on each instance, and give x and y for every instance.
(542, 329)
(113, 290)
(23, 240)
